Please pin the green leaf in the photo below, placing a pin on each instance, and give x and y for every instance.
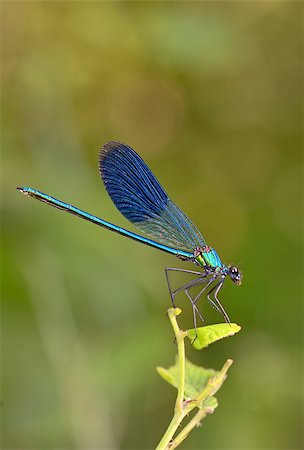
(202, 337)
(196, 378)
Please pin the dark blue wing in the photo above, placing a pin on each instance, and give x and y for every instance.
(140, 198)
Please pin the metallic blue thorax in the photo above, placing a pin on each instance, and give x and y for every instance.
(212, 259)
(209, 257)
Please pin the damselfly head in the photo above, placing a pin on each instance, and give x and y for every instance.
(235, 275)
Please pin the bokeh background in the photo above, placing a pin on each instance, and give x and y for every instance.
(210, 95)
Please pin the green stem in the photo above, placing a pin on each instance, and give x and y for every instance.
(212, 387)
(179, 413)
(194, 422)
(214, 383)
(182, 409)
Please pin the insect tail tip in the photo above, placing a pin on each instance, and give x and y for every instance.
(21, 189)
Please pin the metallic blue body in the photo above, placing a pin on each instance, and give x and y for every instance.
(138, 195)
(212, 259)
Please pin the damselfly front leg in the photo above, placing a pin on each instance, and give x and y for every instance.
(217, 304)
(193, 301)
(210, 281)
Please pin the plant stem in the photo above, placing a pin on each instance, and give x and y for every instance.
(180, 340)
(183, 408)
(194, 422)
(180, 412)
(215, 383)
(212, 387)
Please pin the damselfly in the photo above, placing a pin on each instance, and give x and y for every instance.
(138, 195)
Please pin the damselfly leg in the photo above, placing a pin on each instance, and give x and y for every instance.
(203, 278)
(195, 309)
(185, 286)
(217, 304)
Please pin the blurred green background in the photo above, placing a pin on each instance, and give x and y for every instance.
(210, 95)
